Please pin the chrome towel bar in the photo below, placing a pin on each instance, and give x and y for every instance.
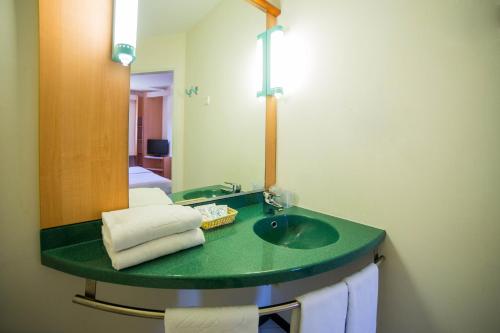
(90, 301)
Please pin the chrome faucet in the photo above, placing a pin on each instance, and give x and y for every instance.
(271, 206)
(235, 188)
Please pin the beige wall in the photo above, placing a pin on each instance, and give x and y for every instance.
(393, 119)
(224, 140)
(276, 3)
(132, 125)
(168, 53)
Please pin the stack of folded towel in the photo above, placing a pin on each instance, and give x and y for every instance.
(145, 232)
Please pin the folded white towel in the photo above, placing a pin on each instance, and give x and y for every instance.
(362, 308)
(125, 228)
(138, 197)
(155, 248)
(240, 319)
(321, 311)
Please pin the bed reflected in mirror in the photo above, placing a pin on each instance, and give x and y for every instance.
(196, 127)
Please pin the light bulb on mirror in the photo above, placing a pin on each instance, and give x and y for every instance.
(124, 31)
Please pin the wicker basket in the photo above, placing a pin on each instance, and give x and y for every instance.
(229, 218)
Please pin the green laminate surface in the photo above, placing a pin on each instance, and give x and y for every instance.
(296, 231)
(202, 193)
(232, 257)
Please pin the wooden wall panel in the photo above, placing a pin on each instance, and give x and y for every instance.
(83, 113)
(152, 119)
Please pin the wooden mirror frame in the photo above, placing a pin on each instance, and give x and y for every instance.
(80, 91)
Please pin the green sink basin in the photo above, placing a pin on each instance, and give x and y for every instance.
(209, 193)
(296, 231)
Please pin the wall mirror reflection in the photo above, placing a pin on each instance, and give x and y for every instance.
(196, 127)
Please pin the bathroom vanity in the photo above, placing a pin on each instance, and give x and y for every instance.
(262, 247)
(257, 249)
(233, 256)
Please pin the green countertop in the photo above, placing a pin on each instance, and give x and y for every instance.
(180, 196)
(232, 257)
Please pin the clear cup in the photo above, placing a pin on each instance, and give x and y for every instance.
(286, 198)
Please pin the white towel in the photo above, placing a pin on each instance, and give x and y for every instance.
(362, 308)
(321, 311)
(237, 319)
(155, 248)
(125, 228)
(138, 197)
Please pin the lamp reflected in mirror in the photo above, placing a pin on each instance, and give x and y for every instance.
(124, 31)
(270, 54)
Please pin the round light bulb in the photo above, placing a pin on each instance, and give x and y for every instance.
(125, 59)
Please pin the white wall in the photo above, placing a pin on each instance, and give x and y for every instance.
(168, 53)
(224, 141)
(132, 125)
(167, 117)
(393, 119)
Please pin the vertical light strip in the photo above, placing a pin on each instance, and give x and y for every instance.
(262, 59)
(276, 60)
(270, 46)
(124, 31)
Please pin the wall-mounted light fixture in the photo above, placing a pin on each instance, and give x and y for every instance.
(124, 31)
(270, 58)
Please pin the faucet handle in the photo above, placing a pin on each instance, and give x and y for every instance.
(271, 194)
(268, 195)
(269, 199)
(236, 187)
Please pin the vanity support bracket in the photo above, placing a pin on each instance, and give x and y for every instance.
(90, 288)
(378, 258)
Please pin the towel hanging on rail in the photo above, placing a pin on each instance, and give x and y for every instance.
(241, 319)
(363, 294)
(321, 311)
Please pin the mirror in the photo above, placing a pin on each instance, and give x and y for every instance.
(194, 119)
